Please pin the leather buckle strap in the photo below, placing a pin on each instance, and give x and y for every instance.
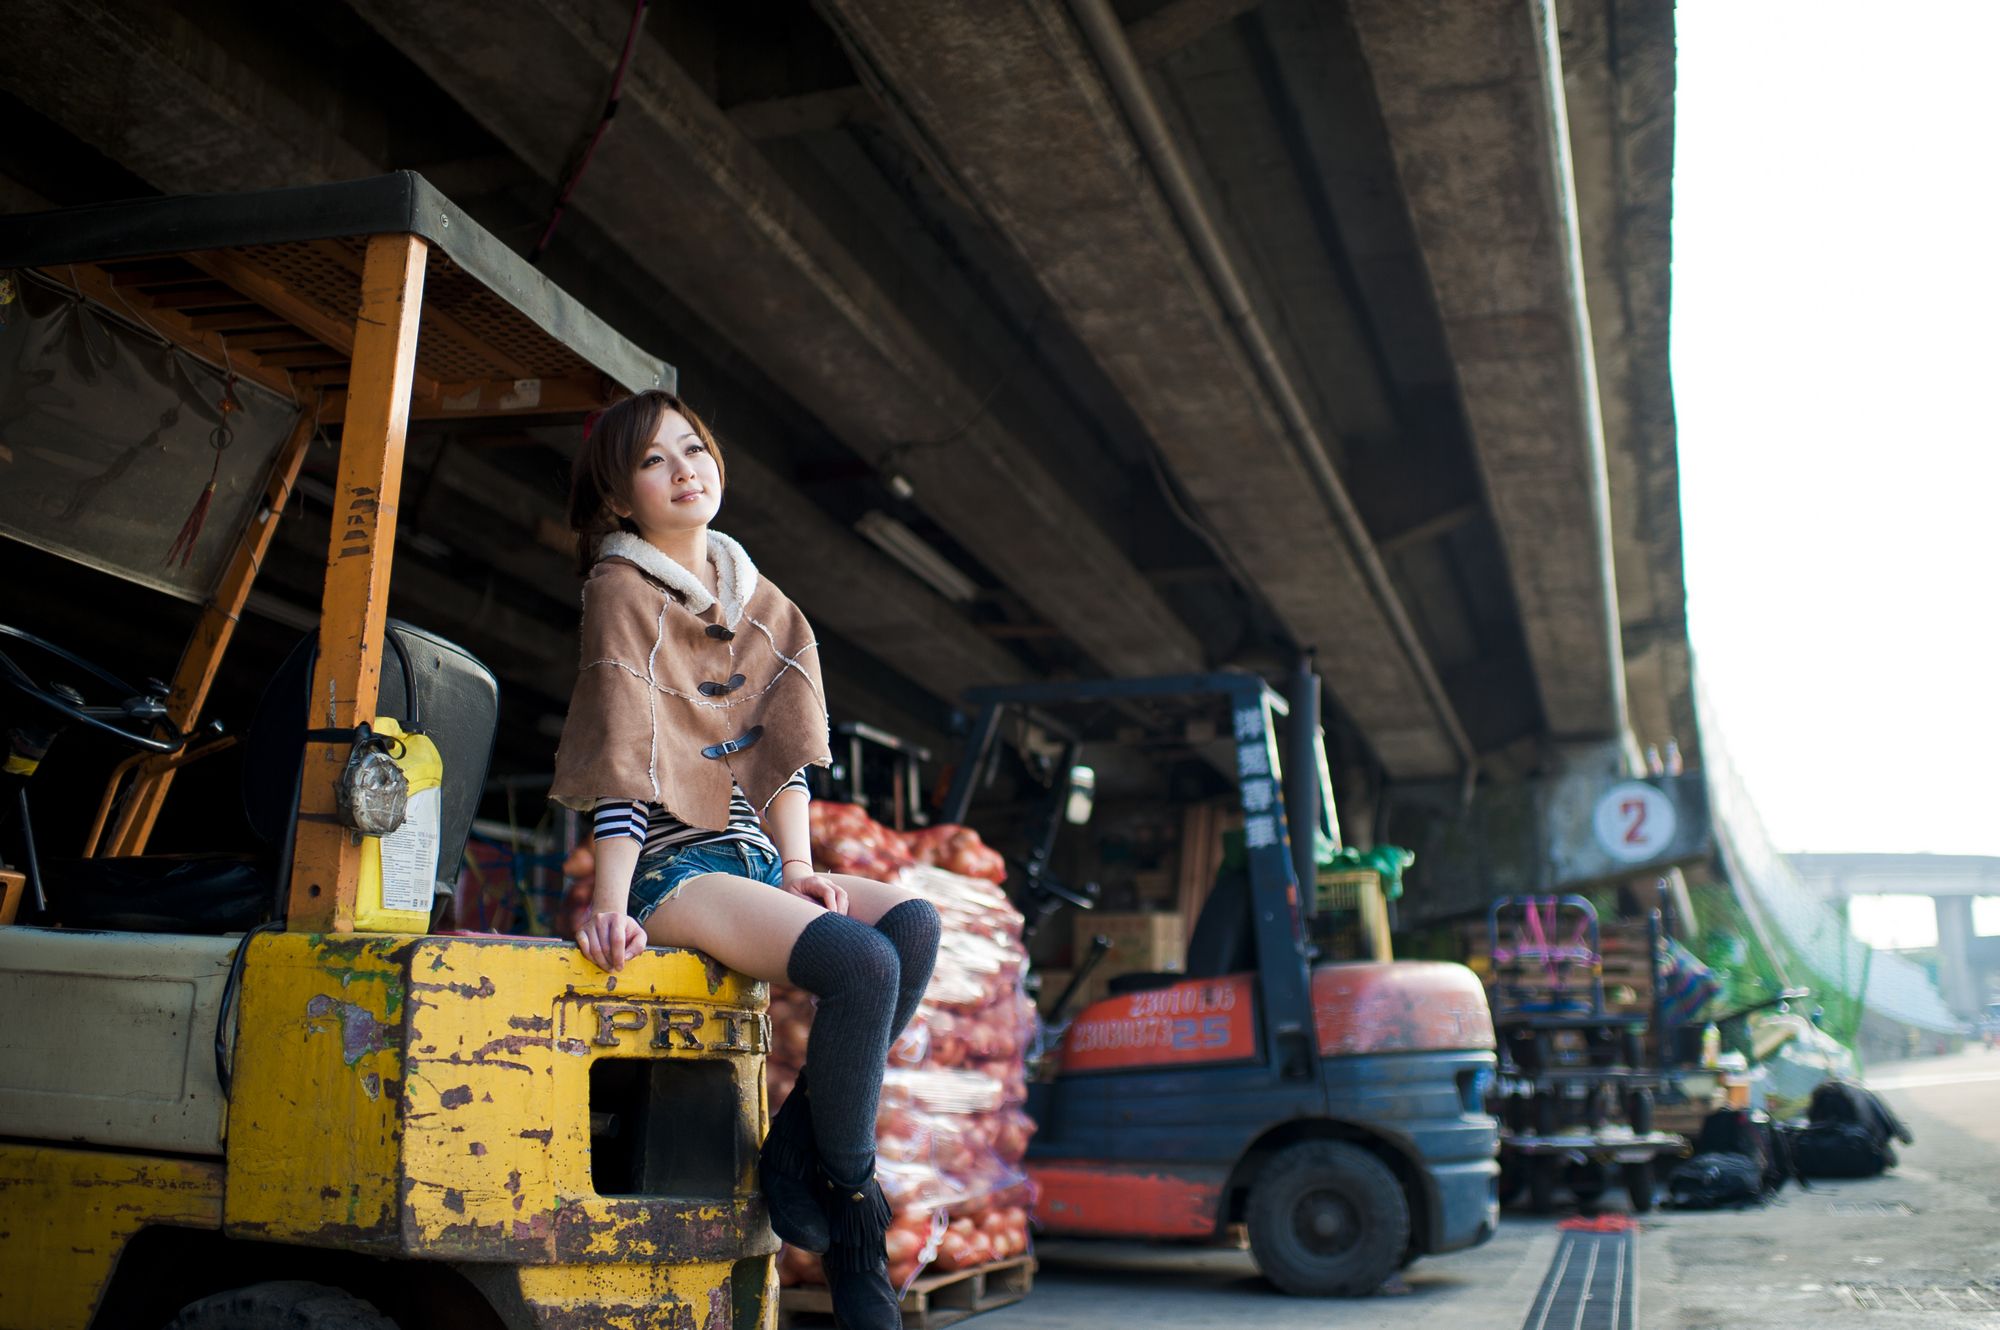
(362, 735)
(736, 745)
(721, 689)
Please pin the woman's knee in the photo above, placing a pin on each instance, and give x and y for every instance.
(914, 925)
(875, 957)
(851, 955)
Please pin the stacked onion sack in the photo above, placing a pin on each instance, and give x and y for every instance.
(580, 872)
(951, 1133)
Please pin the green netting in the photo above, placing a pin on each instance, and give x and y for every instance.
(1731, 946)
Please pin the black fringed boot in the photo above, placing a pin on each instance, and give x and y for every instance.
(857, 1260)
(786, 1168)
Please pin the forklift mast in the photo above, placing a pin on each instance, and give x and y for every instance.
(1277, 862)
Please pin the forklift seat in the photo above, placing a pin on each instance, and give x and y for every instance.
(455, 697)
(1223, 941)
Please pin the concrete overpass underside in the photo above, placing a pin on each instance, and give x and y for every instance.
(1968, 964)
(1185, 334)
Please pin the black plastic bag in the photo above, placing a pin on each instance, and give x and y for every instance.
(1738, 1131)
(1713, 1181)
(1841, 1150)
(1844, 1101)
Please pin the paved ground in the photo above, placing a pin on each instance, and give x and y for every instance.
(1919, 1246)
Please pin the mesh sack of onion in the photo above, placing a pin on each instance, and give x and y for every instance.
(951, 1132)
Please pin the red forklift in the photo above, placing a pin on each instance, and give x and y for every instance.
(1333, 1107)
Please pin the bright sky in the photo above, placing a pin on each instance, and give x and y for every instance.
(1836, 355)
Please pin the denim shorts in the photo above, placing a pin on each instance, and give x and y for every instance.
(658, 875)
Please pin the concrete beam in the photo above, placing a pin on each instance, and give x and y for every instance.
(1069, 161)
(1472, 98)
(17, 197)
(690, 197)
(818, 562)
(205, 121)
(1620, 95)
(1837, 876)
(807, 113)
(223, 114)
(1181, 23)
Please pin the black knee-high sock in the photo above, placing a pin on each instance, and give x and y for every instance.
(854, 972)
(914, 930)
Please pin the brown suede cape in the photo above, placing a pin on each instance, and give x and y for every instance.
(673, 703)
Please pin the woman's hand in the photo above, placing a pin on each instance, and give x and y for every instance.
(609, 938)
(819, 888)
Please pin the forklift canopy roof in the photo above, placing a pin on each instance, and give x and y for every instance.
(289, 260)
(256, 296)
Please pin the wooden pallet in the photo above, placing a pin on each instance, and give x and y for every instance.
(933, 1301)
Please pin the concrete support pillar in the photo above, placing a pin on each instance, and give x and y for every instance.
(1961, 984)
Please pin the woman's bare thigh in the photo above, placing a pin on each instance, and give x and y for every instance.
(868, 900)
(749, 926)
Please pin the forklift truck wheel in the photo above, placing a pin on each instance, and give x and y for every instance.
(291, 1304)
(1327, 1219)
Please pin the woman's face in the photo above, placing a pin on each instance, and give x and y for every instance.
(676, 486)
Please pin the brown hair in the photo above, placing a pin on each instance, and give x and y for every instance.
(602, 472)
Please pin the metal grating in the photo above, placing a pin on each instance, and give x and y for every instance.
(504, 331)
(1875, 1209)
(1925, 1298)
(1592, 1284)
(468, 333)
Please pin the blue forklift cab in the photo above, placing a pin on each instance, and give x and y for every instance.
(1334, 1109)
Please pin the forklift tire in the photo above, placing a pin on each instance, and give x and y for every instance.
(290, 1304)
(1639, 1185)
(1327, 1219)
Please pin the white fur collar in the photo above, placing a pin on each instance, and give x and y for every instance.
(734, 572)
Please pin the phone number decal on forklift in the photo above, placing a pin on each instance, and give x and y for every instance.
(1202, 1020)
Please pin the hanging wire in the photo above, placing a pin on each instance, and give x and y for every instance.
(895, 452)
(135, 318)
(596, 135)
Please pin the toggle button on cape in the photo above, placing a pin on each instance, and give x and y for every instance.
(672, 704)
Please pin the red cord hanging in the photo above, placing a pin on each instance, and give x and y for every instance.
(589, 149)
(219, 439)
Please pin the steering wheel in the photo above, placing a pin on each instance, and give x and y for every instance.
(131, 720)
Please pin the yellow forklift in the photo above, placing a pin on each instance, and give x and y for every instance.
(255, 1086)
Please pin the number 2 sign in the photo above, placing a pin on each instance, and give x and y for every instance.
(1633, 822)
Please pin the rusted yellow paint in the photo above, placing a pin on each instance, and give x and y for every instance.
(66, 1214)
(431, 1097)
(648, 1297)
(313, 1138)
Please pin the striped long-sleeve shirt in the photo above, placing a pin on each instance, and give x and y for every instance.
(658, 830)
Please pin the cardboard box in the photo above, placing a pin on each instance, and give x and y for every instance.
(1138, 941)
(1156, 888)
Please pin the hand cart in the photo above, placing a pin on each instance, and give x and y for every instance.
(1574, 1093)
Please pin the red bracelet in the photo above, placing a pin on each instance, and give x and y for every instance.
(806, 862)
